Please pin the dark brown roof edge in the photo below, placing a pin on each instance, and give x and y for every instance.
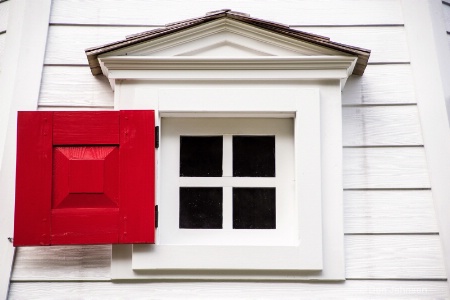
(93, 53)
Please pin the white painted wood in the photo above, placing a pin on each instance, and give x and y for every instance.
(381, 125)
(402, 167)
(253, 97)
(62, 263)
(74, 86)
(432, 73)
(140, 12)
(446, 12)
(367, 256)
(394, 257)
(66, 44)
(392, 211)
(381, 84)
(4, 13)
(19, 88)
(348, 290)
(387, 44)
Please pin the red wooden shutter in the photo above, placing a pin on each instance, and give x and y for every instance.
(85, 178)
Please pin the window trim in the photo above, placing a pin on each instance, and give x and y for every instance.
(304, 104)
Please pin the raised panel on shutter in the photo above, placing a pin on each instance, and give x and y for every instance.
(85, 178)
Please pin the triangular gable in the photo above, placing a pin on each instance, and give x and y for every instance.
(226, 33)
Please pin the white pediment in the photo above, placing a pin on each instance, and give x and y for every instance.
(226, 46)
(225, 38)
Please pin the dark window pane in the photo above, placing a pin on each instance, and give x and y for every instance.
(201, 207)
(254, 208)
(254, 156)
(201, 156)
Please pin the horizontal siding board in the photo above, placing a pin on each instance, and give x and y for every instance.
(392, 211)
(387, 44)
(66, 44)
(394, 257)
(367, 256)
(349, 290)
(74, 86)
(381, 125)
(62, 263)
(396, 167)
(142, 12)
(380, 84)
(4, 13)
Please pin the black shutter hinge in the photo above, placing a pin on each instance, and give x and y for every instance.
(156, 216)
(156, 137)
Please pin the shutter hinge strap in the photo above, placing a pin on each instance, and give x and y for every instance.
(156, 137)
(156, 216)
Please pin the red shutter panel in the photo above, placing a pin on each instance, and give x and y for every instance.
(96, 178)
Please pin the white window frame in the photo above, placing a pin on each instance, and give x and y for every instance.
(304, 105)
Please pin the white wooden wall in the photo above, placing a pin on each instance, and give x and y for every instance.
(392, 243)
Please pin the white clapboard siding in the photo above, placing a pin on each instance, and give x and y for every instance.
(393, 211)
(394, 257)
(381, 125)
(380, 84)
(294, 12)
(396, 167)
(348, 290)
(446, 11)
(66, 44)
(63, 263)
(387, 44)
(74, 86)
(367, 256)
(4, 12)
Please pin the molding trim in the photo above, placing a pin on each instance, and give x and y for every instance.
(20, 81)
(430, 64)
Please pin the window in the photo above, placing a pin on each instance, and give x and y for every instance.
(230, 181)
(287, 118)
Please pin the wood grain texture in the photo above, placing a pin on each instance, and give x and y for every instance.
(137, 176)
(349, 290)
(140, 12)
(62, 263)
(387, 44)
(402, 167)
(367, 256)
(74, 86)
(32, 220)
(86, 128)
(380, 84)
(4, 13)
(66, 44)
(389, 212)
(381, 125)
(394, 257)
